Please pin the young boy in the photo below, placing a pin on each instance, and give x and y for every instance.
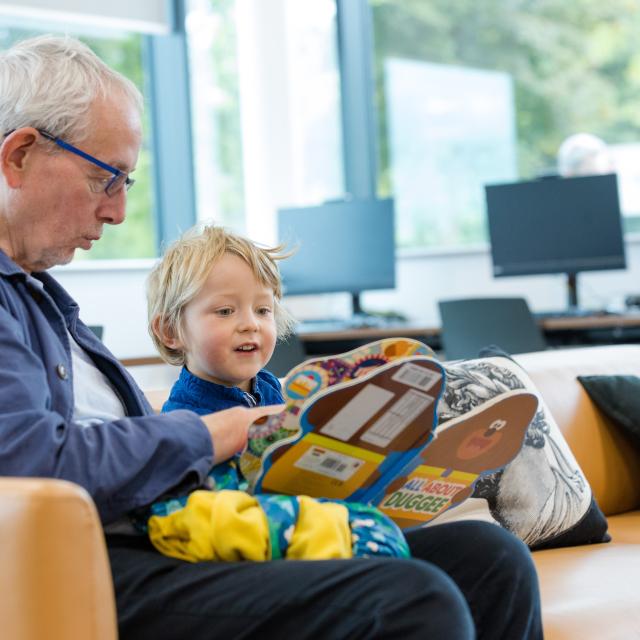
(215, 308)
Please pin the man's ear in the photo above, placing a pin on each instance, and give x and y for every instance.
(14, 155)
(166, 334)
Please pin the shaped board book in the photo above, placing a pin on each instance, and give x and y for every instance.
(361, 427)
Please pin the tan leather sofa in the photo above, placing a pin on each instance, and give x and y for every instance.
(55, 581)
(592, 591)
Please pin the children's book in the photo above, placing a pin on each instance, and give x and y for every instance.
(361, 427)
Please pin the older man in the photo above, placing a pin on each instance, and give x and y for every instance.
(71, 135)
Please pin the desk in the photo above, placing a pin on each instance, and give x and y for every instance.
(592, 330)
(320, 343)
(567, 331)
(584, 330)
(631, 320)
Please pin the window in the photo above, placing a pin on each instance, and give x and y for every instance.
(265, 108)
(136, 238)
(469, 93)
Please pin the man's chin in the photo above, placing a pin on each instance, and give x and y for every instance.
(53, 259)
(66, 258)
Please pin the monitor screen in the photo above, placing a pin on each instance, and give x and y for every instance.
(555, 225)
(341, 246)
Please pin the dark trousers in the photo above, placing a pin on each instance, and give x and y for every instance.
(465, 580)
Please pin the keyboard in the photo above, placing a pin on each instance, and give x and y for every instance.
(573, 313)
(333, 325)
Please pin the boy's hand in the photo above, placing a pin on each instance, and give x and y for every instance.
(229, 428)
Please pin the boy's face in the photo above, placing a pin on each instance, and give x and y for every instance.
(229, 329)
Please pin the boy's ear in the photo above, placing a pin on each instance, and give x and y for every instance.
(165, 334)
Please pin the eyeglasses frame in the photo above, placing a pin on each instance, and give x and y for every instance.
(117, 173)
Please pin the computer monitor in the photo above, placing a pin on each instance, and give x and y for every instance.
(556, 225)
(347, 245)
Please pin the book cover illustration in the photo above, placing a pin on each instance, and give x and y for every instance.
(309, 379)
(477, 443)
(360, 427)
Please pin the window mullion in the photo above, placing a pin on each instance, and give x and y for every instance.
(168, 90)
(357, 85)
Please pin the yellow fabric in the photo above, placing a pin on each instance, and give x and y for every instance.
(225, 526)
(322, 531)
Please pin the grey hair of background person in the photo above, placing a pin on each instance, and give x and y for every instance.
(50, 83)
(583, 154)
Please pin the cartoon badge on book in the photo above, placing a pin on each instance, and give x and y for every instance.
(477, 443)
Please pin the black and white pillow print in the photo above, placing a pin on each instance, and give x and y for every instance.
(542, 496)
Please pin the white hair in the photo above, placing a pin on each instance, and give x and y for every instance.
(583, 154)
(51, 83)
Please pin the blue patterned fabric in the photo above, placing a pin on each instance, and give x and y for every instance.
(282, 515)
(373, 534)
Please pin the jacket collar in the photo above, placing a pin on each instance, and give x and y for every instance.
(8, 267)
(65, 303)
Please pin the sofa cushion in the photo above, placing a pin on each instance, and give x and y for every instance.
(542, 495)
(618, 397)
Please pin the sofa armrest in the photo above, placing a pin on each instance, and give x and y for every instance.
(55, 579)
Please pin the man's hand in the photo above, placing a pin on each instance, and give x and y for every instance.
(229, 428)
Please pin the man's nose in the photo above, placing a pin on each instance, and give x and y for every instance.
(113, 209)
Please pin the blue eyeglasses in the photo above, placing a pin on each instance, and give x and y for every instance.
(119, 180)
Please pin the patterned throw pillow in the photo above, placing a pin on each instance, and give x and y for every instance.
(542, 496)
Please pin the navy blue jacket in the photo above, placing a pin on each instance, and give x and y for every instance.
(202, 396)
(123, 464)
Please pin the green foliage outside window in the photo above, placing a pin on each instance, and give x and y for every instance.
(575, 67)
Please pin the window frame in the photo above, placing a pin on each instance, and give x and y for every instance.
(169, 103)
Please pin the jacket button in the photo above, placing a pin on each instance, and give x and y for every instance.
(61, 370)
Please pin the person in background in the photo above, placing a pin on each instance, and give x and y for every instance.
(70, 129)
(584, 154)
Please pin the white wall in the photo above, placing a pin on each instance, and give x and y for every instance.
(421, 282)
(112, 294)
(146, 16)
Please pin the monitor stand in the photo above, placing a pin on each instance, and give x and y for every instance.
(361, 318)
(572, 310)
(572, 291)
(356, 306)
